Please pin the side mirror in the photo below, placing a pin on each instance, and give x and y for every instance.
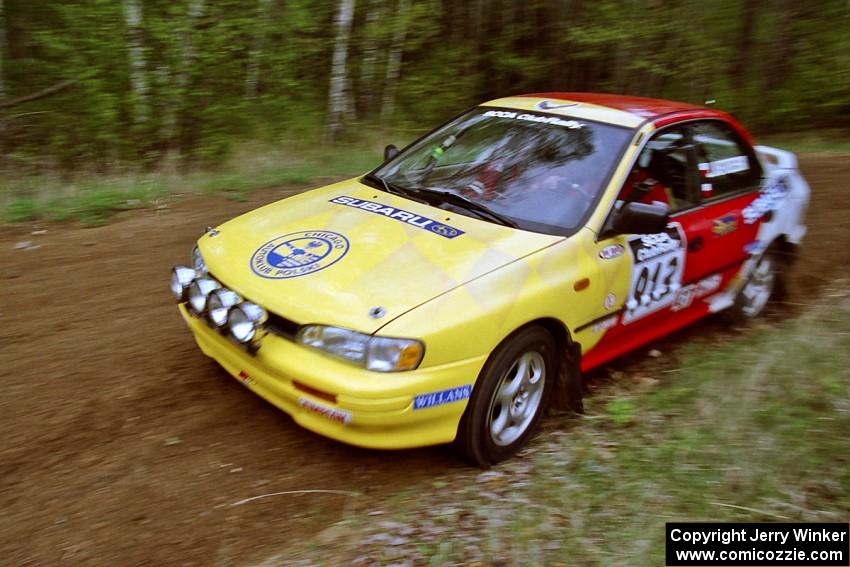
(390, 152)
(641, 218)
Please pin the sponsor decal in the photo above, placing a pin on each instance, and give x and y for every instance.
(526, 117)
(767, 201)
(724, 225)
(686, 295)
(728, 166)
(610, 300)
(604, 324)
(612, 251)
(423, 401)
(549, 105)
(298, 254)
(400, 215)
(333, 414)
(708, 285)
(705, 187)
(659, 261)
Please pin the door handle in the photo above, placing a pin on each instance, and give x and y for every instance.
(695, 244)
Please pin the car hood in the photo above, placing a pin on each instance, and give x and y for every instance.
(352, 256)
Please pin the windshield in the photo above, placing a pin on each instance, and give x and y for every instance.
(540, 171)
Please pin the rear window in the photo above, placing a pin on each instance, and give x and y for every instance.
(727, 163)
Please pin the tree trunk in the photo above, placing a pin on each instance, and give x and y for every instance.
(782, 51)
(370, 59)
(339, 71)
(196, 11)
(2, 81)
(252, 77)
(135, 49)
(2, 50)
(394, 61)
(174, 107)
(744, 44)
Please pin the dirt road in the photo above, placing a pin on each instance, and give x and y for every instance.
(123, 444)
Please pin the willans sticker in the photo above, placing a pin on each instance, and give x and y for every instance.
(423, 401)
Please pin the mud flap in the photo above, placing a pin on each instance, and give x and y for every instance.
(568, 394)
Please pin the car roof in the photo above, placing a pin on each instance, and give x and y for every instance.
(621, 110)
(647, 108)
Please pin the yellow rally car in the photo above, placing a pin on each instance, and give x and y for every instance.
(454, 292)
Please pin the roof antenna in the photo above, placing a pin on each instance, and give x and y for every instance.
(710, 102)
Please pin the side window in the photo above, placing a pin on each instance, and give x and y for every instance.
(727, 165)
(662, 173)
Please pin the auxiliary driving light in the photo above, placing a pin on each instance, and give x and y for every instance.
(181, 277)
(219, 303)
(198, 261)
(198, 292)
(244, 320)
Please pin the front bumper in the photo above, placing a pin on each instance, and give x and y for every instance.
(372, 409)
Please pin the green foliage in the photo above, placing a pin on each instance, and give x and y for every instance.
(21, 209)
(215, 74)
(620, 411)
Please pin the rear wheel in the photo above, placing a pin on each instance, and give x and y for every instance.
(760, 286)
(509, 399)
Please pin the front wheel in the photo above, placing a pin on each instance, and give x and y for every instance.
(509, 399)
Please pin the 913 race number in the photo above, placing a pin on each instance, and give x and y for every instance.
(658, 265)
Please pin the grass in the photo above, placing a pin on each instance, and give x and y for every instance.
(92, 198)
(753, 429)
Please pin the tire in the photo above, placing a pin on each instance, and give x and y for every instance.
(764, 283)
(520, 374)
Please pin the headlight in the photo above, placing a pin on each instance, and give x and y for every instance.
(198, 292)
(181, 277)
(244, 321)
(219, 303)
(388, 355)
(198, 261)
(382, 354)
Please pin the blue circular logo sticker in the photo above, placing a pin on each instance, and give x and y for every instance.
(298, 254)
(444, 230)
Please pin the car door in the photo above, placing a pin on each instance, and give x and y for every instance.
(664, 172)
(707, 175)
(717, 233)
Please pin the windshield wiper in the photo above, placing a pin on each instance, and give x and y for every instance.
(381, 183)
(470, 205)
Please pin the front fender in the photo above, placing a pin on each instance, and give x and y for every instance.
(472, 319)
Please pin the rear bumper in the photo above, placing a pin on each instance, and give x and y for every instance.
(371, 409)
